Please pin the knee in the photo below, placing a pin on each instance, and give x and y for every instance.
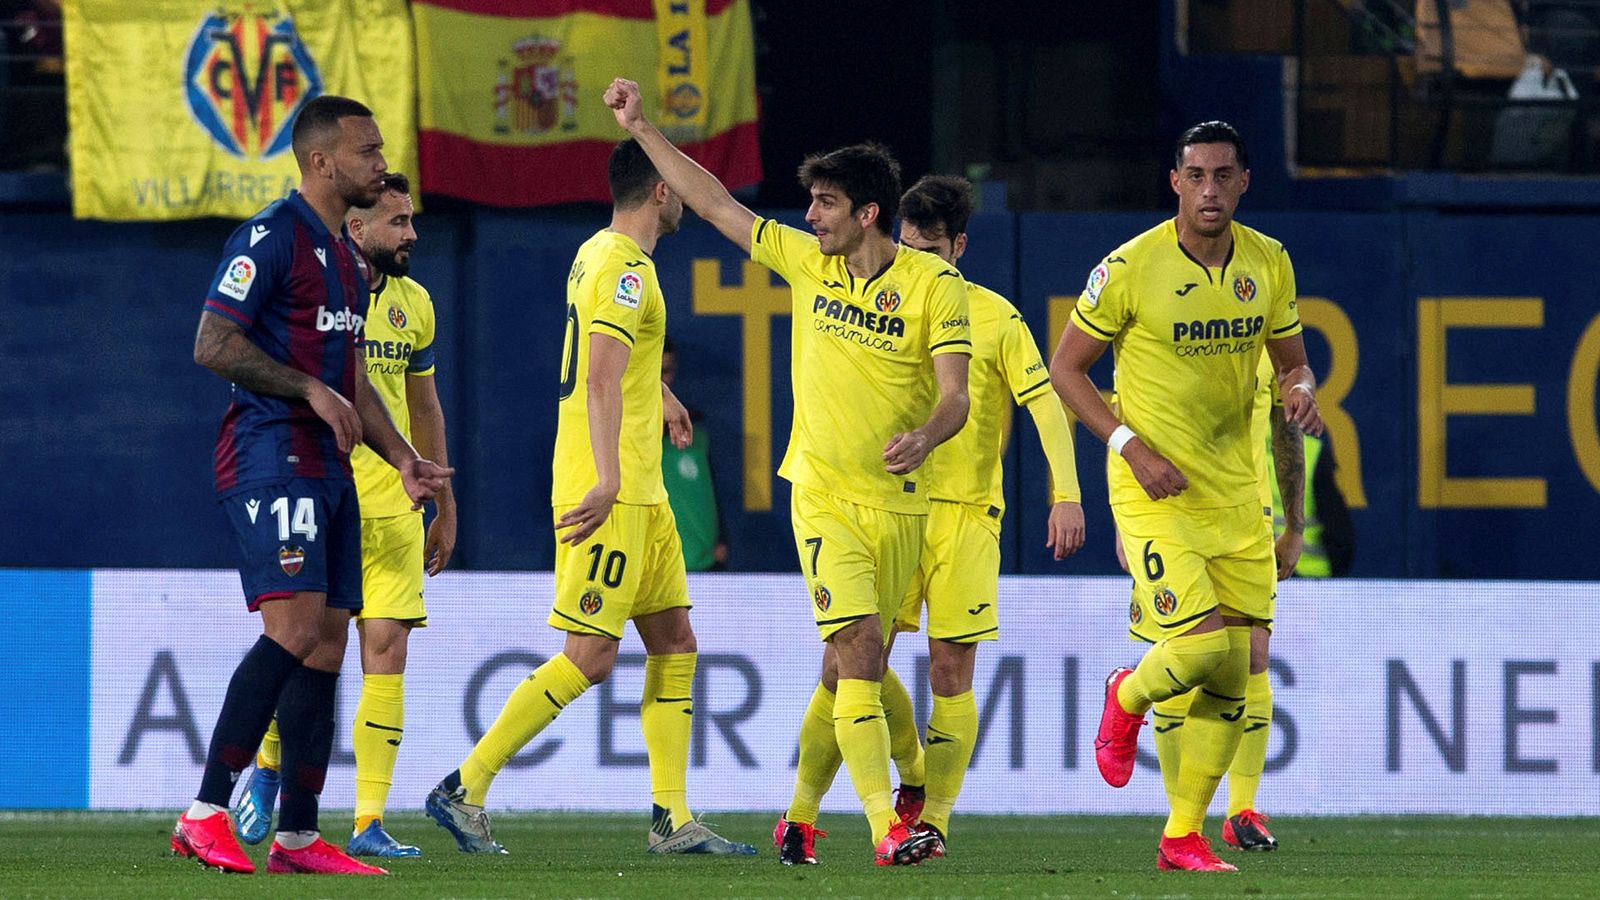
(595, 670)
(298, 637)
(948, 678)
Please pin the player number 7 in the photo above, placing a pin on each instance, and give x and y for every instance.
(816, 547)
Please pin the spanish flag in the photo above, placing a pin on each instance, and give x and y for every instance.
(183, 108)
(510, 92)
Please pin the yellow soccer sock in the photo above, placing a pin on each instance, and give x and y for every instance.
(863, 737)
(270, 756)
(1172, 667)
(952, 734)
(533, 705)
(380, 723)
(1210, 735)
(1168, 726)
(666, 716)
(904, 748)
(1244, 776)
(819, 758)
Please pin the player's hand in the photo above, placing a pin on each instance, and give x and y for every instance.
(1287, 550)
(1158, 476)
(441, 540)
(423, 478)
(1300, 407)
(1066, 528)
(905, 451)
(338, 412)
(626, 103)
(588, 515)
(679, 427)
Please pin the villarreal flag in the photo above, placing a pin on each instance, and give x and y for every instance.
(510, 102)
(183, 108)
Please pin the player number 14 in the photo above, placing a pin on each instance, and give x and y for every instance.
(304, 521)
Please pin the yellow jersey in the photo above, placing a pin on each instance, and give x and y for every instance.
(398, 343)
(1188, 340)
(612, 290)
(863, 354)
(1006, 367)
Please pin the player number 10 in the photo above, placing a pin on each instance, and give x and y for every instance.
(305, 518)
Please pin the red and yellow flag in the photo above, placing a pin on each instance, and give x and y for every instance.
(510, 92)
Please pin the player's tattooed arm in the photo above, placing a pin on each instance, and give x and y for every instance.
(220, 345)
(699, 189)
(1289, 463)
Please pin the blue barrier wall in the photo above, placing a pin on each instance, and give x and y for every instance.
(109, 424)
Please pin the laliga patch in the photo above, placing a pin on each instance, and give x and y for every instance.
(237, 278)
(1097, 283)
(291, 560)
(630, 290)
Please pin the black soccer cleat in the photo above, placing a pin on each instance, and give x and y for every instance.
(1248, 831)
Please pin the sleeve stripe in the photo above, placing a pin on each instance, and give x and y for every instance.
(615, 327)
(1078, 317)
(761, 229)
(1030, 390)
(1289, 327)
(223, 309)
(950, 343)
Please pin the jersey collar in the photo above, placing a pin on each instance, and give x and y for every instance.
(297, 202)
(1233, 244)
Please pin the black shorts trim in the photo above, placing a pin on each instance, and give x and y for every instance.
(966, 638)
(845, 619)
(587, 627)
(1195, 617)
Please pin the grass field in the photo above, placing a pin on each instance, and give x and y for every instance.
(124, 855)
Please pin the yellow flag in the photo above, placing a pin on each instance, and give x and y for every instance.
(183, 108)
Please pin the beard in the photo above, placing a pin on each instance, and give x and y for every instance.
(355, 194)
(387, 260)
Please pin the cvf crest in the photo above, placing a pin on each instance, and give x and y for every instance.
(1244, 288)
(246, 76)
(888, 300)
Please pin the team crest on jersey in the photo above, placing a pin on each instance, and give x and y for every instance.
(1096, 284)
(1244, 287)
(397, 316)
(887, 301)
(291, 560)
(822, 598)
(246, 76)
(238, 277)
(590, 602)
(630, 290)
(1165, 600)
(1135, 612)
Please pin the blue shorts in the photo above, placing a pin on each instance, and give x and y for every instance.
(299, 535)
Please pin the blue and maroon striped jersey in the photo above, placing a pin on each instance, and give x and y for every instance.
(300, 294)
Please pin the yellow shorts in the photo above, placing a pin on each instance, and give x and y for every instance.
(1186, 563)
(631, 566)
(959, 575)
(391, 569)
(857, 559)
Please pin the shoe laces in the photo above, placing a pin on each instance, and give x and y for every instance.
(1251, 817)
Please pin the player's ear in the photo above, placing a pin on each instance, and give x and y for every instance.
(660, 192)
(1172, 176)
(1244, 181)
(958, 246)
(867, 213)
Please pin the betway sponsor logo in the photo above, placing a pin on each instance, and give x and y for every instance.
(855, 316)
(343, 320)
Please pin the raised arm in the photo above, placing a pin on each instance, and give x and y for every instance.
(220, 345)
(699, 189)
(906, 451)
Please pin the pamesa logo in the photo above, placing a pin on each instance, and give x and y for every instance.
(246, 75)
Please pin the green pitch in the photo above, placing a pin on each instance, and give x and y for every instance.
(125, 855)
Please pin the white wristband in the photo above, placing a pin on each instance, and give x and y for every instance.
(1120, 438)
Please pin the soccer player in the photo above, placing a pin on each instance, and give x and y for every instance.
(394, 549)
(958, 576)
(881, 340)
(618, 555)
(283, 322)
(1244, 827)
(1188, 306)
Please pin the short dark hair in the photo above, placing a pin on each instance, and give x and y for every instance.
(941, 202)
(397, 182)
(631, 173)
(319, 118)
(1214, 132)
(866, 173)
